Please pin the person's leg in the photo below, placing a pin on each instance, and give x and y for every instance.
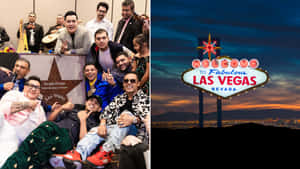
(38, 147)
(126, 161)
(88, 143)
(84, 148)
(115, 135)
(8, 141)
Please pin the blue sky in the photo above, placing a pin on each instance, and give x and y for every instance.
(266, 30)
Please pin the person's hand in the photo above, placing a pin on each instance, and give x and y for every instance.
(131, 140)
(7, 71)
(83, 115)
(8, 86)
(104, 76)
(102, 130)
(125, 120)
(67, 52)
(147, 123)
(109, 78)
(55, 106)
(68, 106)
(64, 46)
(32, 105)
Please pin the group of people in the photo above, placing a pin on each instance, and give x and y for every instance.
(115, 115)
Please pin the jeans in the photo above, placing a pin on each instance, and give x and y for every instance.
(91, 140)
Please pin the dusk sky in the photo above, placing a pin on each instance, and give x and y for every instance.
(266, 30)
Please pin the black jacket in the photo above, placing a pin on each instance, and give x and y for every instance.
(133, 28)
(93, 53)
(3, 36)
(69, 120)
(38, 36)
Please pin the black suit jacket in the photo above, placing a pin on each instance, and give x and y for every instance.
(133, 28)
(3, 36)
(38, 36)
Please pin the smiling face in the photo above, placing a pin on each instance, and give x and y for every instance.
(126, 12)
(122, 62)
(101, 12)
(32, 89)
(90, 72)
(71, 23)
(131, 83)
(92, 105)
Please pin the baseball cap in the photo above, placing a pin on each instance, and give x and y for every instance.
(98, 98)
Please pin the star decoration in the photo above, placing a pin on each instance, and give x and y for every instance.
(209, 47)
(55, 89)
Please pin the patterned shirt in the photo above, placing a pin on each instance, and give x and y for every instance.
(140, 107)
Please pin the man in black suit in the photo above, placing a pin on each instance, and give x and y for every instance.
(3, 36)
(34, 32)
(129, 26)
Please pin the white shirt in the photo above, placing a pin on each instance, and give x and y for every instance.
(24, 121)
(93, 25)
(12, 133)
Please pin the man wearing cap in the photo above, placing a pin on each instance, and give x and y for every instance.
(66, 126)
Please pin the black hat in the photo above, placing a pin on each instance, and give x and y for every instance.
(98, 98)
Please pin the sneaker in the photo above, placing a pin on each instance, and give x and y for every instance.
(72, 155)
(70, 160)
(72, 164)
(57, 161)
(99, 159)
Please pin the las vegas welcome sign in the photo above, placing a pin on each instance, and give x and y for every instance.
(224, 76)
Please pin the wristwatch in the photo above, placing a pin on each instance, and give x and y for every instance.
(134, 120)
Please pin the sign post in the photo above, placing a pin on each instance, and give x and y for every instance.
(222, 76)
(219, 112)
(200, 95)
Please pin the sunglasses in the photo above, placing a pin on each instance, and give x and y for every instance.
(31, 86)
(129, 80)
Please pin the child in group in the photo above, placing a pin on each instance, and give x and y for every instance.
(141, 61)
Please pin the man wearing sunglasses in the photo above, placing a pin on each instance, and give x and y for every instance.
(20, 113)
(129, 108)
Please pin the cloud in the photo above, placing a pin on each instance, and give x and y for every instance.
(262, 106)
(180, 103)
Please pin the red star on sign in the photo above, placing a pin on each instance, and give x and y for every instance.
(55, 89)
(209, 47)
